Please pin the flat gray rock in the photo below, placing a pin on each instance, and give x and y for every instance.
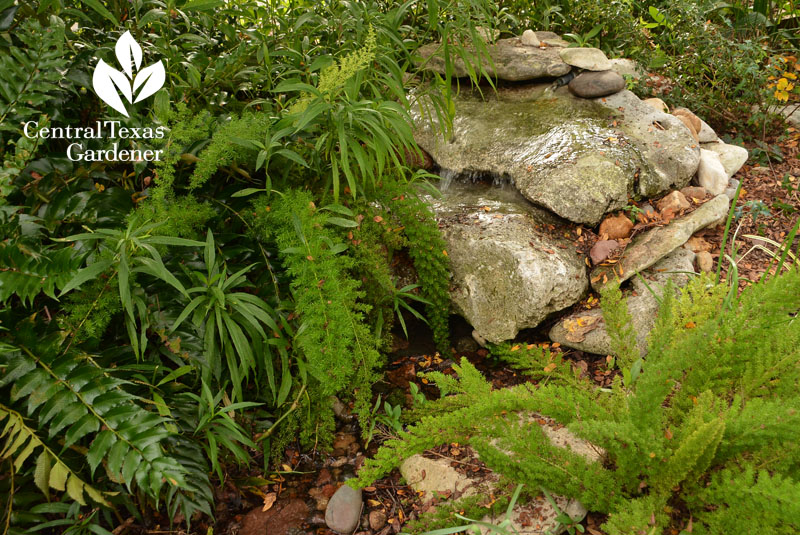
(591, 59)
(509, 269)
(653, 245)
(586, 331)
(578, 158)
(511, 60)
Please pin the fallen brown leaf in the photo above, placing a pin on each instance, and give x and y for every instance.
(269, 500)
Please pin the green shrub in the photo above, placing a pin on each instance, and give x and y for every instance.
(705, 431)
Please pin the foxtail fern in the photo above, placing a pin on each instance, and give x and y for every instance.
(710, 423)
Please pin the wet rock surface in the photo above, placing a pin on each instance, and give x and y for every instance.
(510, 270)
(578, 158)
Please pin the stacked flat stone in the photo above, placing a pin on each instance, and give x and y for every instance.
(535, 56)
(598, 77)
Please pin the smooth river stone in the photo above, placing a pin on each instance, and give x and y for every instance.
(597, 84)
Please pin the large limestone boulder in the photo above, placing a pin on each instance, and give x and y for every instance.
(510, 270)
(587, 331)
(665, 144)
(511, 59)
(578, 158)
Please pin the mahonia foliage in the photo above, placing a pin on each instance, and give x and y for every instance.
(26, 273)
(29, 266)
(713, 412)
(31, 73)
(71, 396)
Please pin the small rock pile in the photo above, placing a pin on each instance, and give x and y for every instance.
(535, 55)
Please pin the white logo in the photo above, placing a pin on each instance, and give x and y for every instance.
(108, 80)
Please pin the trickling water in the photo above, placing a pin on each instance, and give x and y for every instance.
(450, 177)
(486, 199)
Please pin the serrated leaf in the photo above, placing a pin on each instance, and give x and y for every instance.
(100, 446)
(116, 456)
(75, 489)
(87, 424)
(58, 476)
(23, 455)
(41, 476)
(132, 461)
(95, 495)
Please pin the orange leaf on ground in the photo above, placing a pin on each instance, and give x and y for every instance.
(269, 500)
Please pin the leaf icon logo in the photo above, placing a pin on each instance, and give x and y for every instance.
(109, 83)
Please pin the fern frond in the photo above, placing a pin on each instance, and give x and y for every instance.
(641, 516)
(30, 73)
(340, 352)
(75, 399)
(21, 442)
(428, 251)
(620, 326)
(27, 273)
(748, 500)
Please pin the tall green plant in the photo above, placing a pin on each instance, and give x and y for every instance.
(335, 346)
(237, 327)
(708, 424)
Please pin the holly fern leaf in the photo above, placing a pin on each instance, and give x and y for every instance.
(81, 405)
(22, 443)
